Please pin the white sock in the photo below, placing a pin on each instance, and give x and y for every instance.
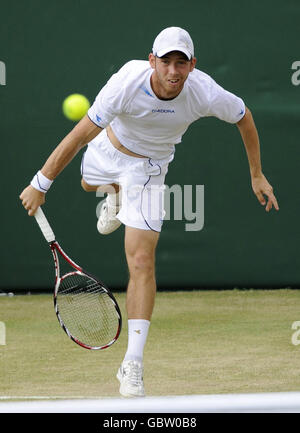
(114, 199)
(137, 336)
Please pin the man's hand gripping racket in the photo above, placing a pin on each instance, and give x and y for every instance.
(86, 309)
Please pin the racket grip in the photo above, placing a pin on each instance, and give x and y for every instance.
(44, 225)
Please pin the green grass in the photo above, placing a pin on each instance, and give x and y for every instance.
(200, 342)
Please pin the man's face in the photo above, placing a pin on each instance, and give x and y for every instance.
(170, 73)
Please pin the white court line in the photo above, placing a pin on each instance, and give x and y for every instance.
(50, 397)
(262, 402)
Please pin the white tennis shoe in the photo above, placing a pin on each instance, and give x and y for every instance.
(107, 221)
(130, 376)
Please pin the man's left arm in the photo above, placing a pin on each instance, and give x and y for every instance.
(260, 185)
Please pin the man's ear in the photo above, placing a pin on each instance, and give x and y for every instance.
(152, 60)
(193, 64)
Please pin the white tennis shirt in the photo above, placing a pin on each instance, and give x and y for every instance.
(150, 126)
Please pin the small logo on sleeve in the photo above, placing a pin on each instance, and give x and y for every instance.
(144, 89)
(98, 118)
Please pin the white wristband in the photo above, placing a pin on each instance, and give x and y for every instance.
(41, 182)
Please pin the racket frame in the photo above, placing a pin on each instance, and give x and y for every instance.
(55, 249)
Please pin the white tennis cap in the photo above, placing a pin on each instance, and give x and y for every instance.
(173, 39)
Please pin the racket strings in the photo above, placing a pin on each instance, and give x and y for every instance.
(86, 309)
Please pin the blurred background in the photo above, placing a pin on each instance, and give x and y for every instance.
(53, 49)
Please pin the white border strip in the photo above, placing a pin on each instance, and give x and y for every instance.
(264, 402)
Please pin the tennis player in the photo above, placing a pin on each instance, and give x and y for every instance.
(131, 131)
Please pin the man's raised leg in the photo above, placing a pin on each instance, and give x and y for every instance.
(107, 222)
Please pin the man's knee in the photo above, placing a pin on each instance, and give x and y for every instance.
(87, 187)
(142, 262)
(140, 246)
(110, 188)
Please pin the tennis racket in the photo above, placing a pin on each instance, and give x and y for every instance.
(86, 309)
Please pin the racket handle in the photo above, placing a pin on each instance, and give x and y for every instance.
(44, 225)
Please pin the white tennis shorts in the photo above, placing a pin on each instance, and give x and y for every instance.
(141, 180)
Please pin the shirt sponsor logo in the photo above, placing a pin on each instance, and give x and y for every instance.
(163, 111)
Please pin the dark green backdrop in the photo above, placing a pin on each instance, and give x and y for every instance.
(52, 49)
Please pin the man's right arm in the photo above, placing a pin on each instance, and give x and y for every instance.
(81, 134)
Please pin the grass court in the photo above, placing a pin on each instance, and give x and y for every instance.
(200, 342)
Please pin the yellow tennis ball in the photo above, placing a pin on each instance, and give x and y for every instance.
(75, 106)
